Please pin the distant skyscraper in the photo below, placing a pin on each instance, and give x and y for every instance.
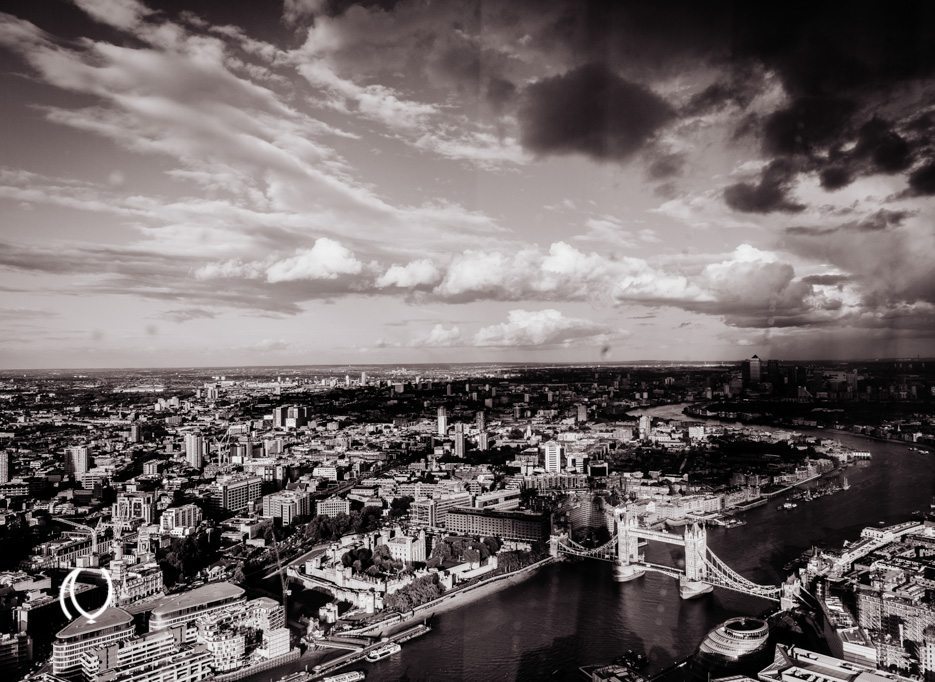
(195, 450)
(363, 378)
(646, 424)
(77, 460)
(553, 457)
(442, 421)
(136, 433)
(751, 371)
(582, 413)
(482, 441)
(481, 421)
(459, 440)
(5, 472)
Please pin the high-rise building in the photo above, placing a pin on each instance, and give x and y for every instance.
(459, 440)
(280, 415)
(136, 433)
(442, 421)
(553, 456)
(582, 413)
(480, 421)
(195, 450)
(5, 469)
(751, 371)
(234, 494)
(646, 426)
(483, 441)
(363, 378)
(77, 460)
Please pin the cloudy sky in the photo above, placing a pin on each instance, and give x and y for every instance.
(315, 181)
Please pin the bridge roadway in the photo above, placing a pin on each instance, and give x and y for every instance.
(334, 664)
(659, 535)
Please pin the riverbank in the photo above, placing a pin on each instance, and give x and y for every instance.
(454, 599)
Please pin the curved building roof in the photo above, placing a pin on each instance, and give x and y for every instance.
(112, 617)
(200, 596)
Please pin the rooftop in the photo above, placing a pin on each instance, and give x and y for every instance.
(82, 626)
(202, 595)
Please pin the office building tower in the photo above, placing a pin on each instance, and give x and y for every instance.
(77, 460)
(751, 371)
(234, 494)
(195, 450)
(136, 433)
(459, 440)
(280, 415)
(553, 456)
(645, 426)
(180, 520)
(6, 472)
(582, 413)
(287, 505)
(442, 421)
(480, 421)
(333, 506)
(363, 378)
(483, 442)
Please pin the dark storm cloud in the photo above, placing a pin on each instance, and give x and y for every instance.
(922, 180)
(769, 194)
(592, 111)
(837, 66)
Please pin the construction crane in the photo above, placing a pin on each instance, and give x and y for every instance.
(81, 526)
(282, 574)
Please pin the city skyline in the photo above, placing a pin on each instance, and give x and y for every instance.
(311, 183)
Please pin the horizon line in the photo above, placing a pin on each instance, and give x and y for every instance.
(402, 365)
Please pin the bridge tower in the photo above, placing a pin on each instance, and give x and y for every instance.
(628, 548)
(696, 549)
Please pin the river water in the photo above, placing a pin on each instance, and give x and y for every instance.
(574, 614)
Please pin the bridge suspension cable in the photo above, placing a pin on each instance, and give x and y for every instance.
(730, 579)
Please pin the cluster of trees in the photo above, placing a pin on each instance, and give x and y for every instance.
(185, 557)
(507, 562)
(325, 528)
(400, 506)
(462, 549)
(420, 591)
(378, 562)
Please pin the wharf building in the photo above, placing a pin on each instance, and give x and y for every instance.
(81, 636)
(510, 525)
(185, 608)
(153, 657)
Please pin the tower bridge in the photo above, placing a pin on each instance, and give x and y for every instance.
(703, 570)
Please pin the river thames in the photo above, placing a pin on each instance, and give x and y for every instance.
(574, 614)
